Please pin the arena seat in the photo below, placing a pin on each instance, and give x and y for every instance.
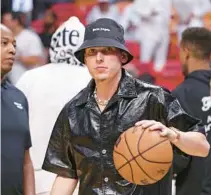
(60, 7)
(171, 75)
(66, 10)
(37, 26)
(134, 47)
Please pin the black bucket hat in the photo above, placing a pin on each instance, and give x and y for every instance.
(104, 32)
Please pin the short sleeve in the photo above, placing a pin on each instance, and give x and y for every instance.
(28, 142)
(59, 158)
(35, 49)
(177, 117)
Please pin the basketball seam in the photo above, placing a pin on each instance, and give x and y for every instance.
(141, 153)
(127, 163)
(135, 158)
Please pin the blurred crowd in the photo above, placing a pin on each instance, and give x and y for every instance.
(152, 30)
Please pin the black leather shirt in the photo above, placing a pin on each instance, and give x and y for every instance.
(82, 141)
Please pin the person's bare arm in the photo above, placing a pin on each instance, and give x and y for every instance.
(28, 175)
(63, 186)
(29, 61)
(192, 143)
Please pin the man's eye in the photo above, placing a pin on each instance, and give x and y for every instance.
(91, 51)
(4, 43)
(109, 50)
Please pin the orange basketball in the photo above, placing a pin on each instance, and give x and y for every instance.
(141, 156)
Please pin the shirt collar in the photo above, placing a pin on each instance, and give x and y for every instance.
(126, 89)
(4, 83)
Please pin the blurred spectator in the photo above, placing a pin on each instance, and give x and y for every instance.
(24, 6)
(29, 53)
(104, 9)
(49, 88)
(173, 50)
(174, 21)
(150, 19)
(190, 13)
(122, 4)
(207, 20)
(50, 26)
(40, 6)
(130, 22)
(6, 5)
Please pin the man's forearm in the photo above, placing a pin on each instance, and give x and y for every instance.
(193, 143)
(29, 181)
(29, 61)
(64, 186)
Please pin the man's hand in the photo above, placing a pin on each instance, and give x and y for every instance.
(190, 142)
(154, 125)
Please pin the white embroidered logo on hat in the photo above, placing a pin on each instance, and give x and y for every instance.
(100, 29)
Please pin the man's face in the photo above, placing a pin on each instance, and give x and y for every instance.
(8, 21)
(104, 6)
(8, 48)
(207, 21)
(207, 24)
(184, 59)
(48, 18)
(104, 63)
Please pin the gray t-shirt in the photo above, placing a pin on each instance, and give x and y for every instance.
(28, 44)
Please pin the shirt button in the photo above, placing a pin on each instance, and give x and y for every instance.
(106, 179)
(103, 151)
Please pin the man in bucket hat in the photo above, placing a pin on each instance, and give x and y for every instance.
(82, 141)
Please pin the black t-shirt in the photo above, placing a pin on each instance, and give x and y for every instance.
(15, 138)
(194, 96)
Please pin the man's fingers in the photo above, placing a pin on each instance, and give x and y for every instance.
(145, 123)
(152, 126)
(164, 133)
(155, 126)
(139, 123)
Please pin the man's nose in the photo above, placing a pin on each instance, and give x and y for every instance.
(12, 49)
(99, 56)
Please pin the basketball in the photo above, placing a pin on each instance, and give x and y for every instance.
(141, 156)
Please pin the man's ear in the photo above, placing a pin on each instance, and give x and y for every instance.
(187, 53)
(124, 57)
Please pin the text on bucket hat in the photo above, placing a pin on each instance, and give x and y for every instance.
(103, 32)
